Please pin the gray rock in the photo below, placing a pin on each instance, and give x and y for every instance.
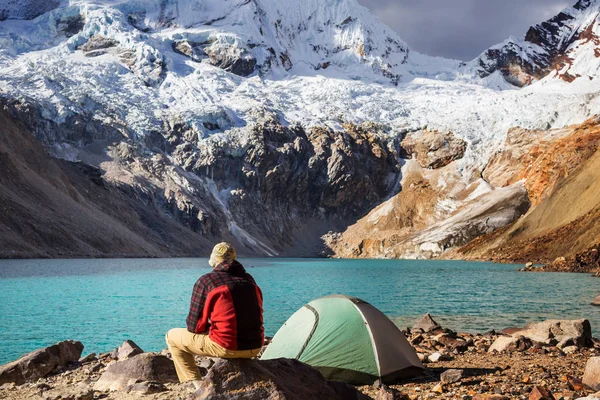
(143, 367)
(147, 388)
(40, 362)
(90, 357)
(452, 375)
(591, 376)
(206, 362)
(78, 392)
(388, 393)
(510, 343)
(502, 343)
(128, 349)
(426, 324)
(232, 59)
(437, 356)
(564, 332)
(570, 349)
(270, 379)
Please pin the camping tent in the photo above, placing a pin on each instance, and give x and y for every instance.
(347, 340)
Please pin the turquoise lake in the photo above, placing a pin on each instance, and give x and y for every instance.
(102, 302)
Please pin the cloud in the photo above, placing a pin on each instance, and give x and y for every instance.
(461, 29)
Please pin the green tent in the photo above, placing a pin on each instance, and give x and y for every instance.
(347, 340)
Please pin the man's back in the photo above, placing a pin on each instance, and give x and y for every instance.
(225, 318)
(228, 304)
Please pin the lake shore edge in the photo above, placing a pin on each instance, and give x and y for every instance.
(553, 357)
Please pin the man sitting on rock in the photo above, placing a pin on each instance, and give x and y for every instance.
(225, 318)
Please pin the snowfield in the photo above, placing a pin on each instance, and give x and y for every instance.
(316, 62)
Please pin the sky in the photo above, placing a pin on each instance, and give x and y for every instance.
(461, 29)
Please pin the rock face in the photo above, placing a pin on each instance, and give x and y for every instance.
(434, 149)
(98, 42)
(546, 47)
(114, 215)
(268, 188)
(559, 171)
(270, 379)
(40, 363)
(591, 376)
(28, 9)
(143, 367)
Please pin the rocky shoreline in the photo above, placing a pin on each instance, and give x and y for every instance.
(554, 359)
(585, 262)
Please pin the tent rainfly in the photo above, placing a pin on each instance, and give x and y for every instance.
(347, 340)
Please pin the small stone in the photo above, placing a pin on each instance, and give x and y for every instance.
(570, 349)
(502, 344)
(576, 384)
(596, 301)
(437, 356)
(452, 375)
(438, 388)
(540, 393)
(591, 376)
(90, 357)
(388, 393)
(69, 393)
(96, 367)
(417, 339)
(150, 387)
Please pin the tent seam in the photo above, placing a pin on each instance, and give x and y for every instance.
(373, 344)
(312, 332)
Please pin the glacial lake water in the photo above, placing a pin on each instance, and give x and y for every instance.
(103, 302)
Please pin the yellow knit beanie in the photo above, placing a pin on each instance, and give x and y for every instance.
(222, 252)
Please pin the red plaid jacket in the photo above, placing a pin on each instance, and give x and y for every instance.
(227, 303)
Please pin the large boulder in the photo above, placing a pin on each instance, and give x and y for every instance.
(560, 332)
(434, 149)
(143, 367)
(426, 324)
(40, 362)
(591, 376)
(270, 379)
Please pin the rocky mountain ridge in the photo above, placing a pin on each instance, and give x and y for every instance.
(555, 47)
(269, 124)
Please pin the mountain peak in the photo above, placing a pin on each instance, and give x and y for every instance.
(552, 48)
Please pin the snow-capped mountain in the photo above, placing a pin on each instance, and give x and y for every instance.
(265, 119)
(566, 46)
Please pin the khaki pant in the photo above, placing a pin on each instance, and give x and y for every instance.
(184, 344)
